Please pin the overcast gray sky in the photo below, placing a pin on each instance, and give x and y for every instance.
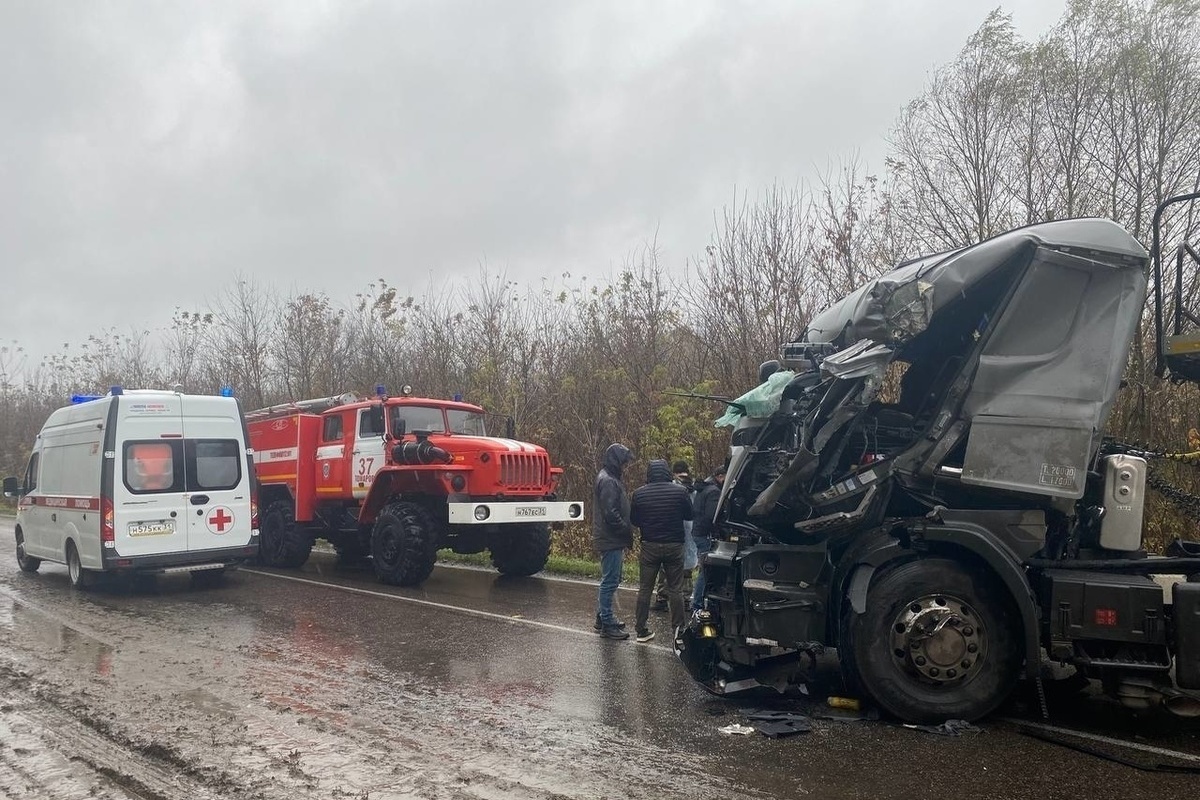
(149, 151)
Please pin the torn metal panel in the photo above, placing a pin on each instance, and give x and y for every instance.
(861, 360)
(899, 305)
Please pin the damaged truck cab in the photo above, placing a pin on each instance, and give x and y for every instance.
(923, 483)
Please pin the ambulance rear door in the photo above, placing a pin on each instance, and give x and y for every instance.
(218, 487)
(150, 511)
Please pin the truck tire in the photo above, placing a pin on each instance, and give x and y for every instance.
(25, 562)
(80, 577)
(520, 549)
(936, 642)
(404, 544)
(281, 543)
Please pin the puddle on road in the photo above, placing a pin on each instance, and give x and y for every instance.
(78, 649)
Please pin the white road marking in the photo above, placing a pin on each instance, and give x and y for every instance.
(447, 607)
(1145, 748)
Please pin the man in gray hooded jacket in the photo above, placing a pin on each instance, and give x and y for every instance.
(611, 534)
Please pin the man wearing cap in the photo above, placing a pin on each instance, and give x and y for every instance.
(683, 477)
(703, 528)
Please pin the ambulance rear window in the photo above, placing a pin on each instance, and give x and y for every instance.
(213, 464)
(197, 465)
(154, 466)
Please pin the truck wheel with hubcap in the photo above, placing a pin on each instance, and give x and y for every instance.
(404, 544)
(281, 543)
(27, 563)
(80, 577)
(520, 549)
(935, 643)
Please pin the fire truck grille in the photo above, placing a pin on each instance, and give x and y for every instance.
(524, 471)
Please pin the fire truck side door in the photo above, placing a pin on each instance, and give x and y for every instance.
(368, 452)
(331, 459)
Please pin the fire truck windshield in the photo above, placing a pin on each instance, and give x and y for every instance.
(469, 423)
(429, 418)
(418, 418)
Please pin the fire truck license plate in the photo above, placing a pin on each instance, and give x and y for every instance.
(530, 511)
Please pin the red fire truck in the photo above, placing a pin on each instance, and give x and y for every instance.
(397, 479)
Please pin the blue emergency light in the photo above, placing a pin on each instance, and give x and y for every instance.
(226, 391)
(458, 397)
(380, 390)
(76, 399)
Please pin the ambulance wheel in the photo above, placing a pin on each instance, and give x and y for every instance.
(280, 542)
(520, 549)
(936, 642)
(404, 544)
(26, 563)
(80, 577)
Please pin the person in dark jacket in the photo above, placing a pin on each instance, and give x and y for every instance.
(703, 528)
(683, 476)
(611, 535)
(659, 509)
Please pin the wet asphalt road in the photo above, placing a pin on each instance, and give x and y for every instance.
(323, 683)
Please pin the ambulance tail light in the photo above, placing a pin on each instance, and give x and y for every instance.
(254, 511)
(107, 531)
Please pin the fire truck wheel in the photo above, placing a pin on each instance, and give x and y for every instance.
(936, 642)
(521, 549)
(404, 544)
(281, 543)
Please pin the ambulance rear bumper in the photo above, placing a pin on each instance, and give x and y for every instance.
(161, 562)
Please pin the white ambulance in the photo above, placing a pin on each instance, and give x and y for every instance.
(139, 481)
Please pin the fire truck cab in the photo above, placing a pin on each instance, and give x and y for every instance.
(397, 479)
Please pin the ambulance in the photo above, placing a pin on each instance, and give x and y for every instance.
(139, 481)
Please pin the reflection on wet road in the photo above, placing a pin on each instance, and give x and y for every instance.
(324, 683)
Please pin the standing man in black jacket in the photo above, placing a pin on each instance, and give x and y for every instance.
(660, 508)
(703, 529)
(611, 534)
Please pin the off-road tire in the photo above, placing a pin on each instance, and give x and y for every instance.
(281, 543)
(80, 578)
(25, 562)
(888, 675)
(520, 550)
(404, 544)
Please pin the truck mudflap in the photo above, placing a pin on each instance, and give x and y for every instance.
(487, 512)
(1186, 613)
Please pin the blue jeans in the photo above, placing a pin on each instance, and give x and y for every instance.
(702, 546)
(610, 579)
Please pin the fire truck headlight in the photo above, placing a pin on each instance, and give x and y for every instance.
(458, 483)
(482, 513)
(574, 510)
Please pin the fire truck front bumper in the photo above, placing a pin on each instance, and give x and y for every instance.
(488, 512)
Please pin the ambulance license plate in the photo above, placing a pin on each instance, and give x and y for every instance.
(157, 528)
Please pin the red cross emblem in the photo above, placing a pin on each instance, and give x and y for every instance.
(219, 518)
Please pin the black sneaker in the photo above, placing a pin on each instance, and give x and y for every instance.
(614, 632)
(598, 626)
(645, 635)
